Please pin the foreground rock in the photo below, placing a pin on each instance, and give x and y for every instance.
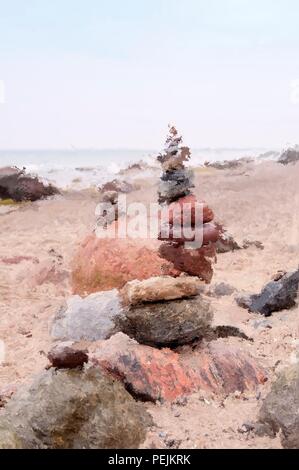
(278, 295)
(73, 410)
(15, 184)
(280, 410)
(160, 288)
(290, 155)
(90, 319)
(151, 374)
(223, 367)
(67, 356)
(169, 323)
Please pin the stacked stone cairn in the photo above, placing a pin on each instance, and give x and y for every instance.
(179, 208)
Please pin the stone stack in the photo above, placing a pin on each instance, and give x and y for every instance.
(165, 311)
(180, 209)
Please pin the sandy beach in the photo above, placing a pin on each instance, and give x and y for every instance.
(257, 202)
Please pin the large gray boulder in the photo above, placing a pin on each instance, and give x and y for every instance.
(280, 410)
(17, 185)
(73, 409)
(171, 323)
(91, 318)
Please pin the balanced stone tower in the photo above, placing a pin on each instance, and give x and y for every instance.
(175, 194)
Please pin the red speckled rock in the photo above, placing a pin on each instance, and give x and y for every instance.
(105, 264)
(221, 367)
(148, 373)
(152, 374)
(193, 262)
(176, 215)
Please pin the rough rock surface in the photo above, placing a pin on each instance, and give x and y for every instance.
(104, 264)
(197, 262)
(67, 356)
(275, 296)
(148, 373)
(169, 323)
(280, 409)
(151, 374)
(225, 368)
(91, 318)
(160, 288)
(73, 409)
(16, 185)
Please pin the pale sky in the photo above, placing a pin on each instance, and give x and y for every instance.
(114, 73)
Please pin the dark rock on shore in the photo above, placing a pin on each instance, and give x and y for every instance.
(278, 295)
(15, 184)
(229, 164)
(291, 155)
(73, 409)
(280, 409)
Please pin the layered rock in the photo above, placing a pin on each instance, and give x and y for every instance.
(151, 374)
(15, 184)
(280, 409)
(148, 374)
(167, 323)
(277, 295)
(160, 289)
(73, 409)
(181, 212)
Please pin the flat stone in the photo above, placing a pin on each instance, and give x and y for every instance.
(160, 288)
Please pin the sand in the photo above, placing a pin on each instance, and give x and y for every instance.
(257, 202)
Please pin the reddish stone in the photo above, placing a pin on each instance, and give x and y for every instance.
(221, 367)
(176, 215)
(152, 374)
(105, 264)
(194, 262)
(148, 373)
